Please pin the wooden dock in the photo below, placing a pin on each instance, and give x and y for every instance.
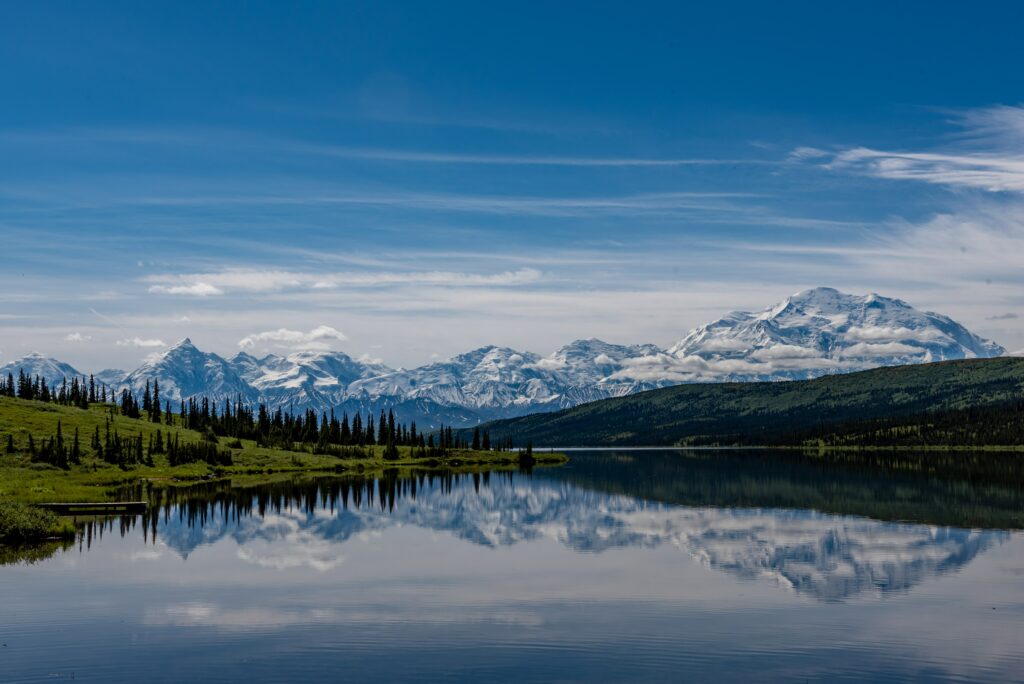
(104, 508)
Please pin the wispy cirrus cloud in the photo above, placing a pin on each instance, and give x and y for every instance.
(993, 173)
(434, 157)
(987, 154)
(244, 280)
(223, 138)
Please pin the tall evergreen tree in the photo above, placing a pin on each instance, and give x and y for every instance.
(76, 451)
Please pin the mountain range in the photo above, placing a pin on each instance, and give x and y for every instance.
(815, 332)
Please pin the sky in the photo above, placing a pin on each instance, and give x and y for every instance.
(406, 181)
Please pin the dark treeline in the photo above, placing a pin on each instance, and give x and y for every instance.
(79, 392)
(55, 450)
(324, 432)
(321, 433)
(998, 425)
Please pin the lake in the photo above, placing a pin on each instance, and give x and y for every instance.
(621, 566)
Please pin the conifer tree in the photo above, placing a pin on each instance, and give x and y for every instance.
(346, 434)
(154, 414)
(369, 430)
(76, 452)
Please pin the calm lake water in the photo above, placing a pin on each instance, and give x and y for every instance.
(622, 566)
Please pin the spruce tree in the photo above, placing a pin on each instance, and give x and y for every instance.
(76, 451)
(154, 414)
(369, 430)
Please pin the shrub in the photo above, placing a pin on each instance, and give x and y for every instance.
(22, 523)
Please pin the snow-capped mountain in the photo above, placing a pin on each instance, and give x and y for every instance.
(51, 370)
(502, 381)
(812, 333)
(183, 371)
(111, 377)
(305, 378)
(485, 377)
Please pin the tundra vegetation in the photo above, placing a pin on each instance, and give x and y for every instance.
(78, 442)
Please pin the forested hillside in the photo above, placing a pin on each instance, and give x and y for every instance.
(978, 402)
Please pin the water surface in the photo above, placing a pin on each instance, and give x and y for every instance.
(620, 566)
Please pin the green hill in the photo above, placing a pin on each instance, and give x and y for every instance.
(116, 451)
(978, 402)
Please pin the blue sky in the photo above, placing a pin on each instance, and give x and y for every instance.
(410, 180)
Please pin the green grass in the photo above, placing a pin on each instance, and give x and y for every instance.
(23, 481)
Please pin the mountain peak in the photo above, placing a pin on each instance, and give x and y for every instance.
(35, 363)
(821, 331)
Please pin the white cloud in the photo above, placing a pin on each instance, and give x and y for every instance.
(802, 153)
(882, 349)
(140, 343)
(197, 289)
(549, 364)
(876, 333)
(989, 155)
(784, 351)
(692, 368)
(603, 360)
(317, 338)
(257, 281)
(991, 172)
(77, 337)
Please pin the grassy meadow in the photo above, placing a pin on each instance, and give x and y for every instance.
(25, 481)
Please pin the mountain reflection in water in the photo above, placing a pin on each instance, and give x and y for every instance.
(825, 556)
